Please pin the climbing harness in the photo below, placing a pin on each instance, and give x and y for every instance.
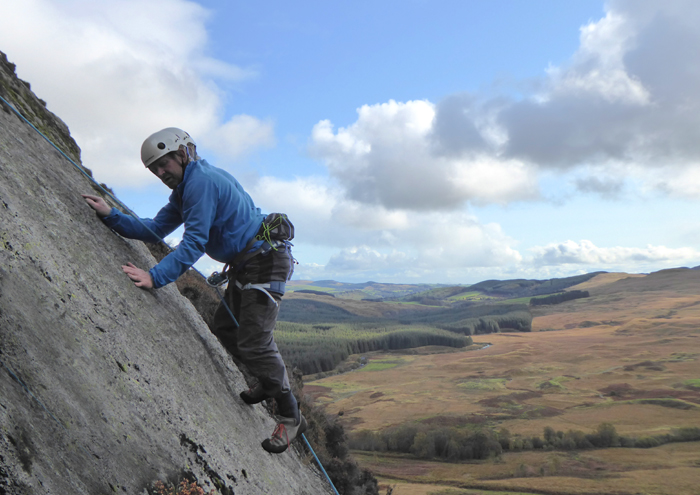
(217, 279)
(274, 234)
(273, 286)
(280, 226)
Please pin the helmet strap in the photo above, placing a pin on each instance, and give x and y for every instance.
(184, 161)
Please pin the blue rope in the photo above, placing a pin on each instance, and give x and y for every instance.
(319, 463)
(92, 179)
(161, 240)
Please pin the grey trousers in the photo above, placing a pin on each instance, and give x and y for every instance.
(253, 342)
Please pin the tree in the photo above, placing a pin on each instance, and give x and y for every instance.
(504, 438)
(550, 435)
(423, 446)
(607, 435)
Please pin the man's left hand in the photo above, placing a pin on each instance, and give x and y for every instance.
(140, 277)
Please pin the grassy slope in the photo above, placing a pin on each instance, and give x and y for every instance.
(367, 309)
(371, 290)
(636, 335)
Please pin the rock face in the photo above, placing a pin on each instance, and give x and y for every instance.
(106, 388)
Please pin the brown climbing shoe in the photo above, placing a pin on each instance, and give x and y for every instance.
(254, 395)
(287, 430)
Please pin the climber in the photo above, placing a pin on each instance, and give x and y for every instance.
(222, 221)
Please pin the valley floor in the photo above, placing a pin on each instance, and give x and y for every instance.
(671, 469)
(628, 355)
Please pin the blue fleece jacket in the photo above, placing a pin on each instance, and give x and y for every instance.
(220, 220)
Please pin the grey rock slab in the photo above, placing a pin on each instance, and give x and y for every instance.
(106, 388)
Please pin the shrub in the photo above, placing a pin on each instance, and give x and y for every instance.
(647, 442)
(688, 434)
(606, 437)
(537, 443)
(369, 441)
(185, 487)
(579, 439)
(628, 442)
(423, 446)
(504, 438)
(450, 444)
(400, 438)
(549, 435)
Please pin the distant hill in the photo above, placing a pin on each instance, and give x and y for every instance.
(439, 294)
(358, 291)
(486, 307)
(678, 280)
(516, 288)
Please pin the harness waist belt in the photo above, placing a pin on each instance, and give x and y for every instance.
(277, 287)
(248, 252)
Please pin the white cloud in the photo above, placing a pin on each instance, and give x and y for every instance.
(364, 238)
(387, 158)
(587, 254)
(598, 68)
(308, 202)
(234, 138)
(364, 259)
(628, 100)
(173, 242)
(371, 242)
(683, 181)
(118, 70)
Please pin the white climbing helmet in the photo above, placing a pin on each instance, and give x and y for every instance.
(163, 142)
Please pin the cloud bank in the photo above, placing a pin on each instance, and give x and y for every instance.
(377, 242)
(628, 101)
(372, 242)
(587, 254)
(387, 158)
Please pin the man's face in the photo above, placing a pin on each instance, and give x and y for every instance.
(169, 170)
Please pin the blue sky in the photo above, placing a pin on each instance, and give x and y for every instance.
(411, 141)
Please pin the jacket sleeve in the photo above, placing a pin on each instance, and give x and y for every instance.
(199, 203)
(145, 229)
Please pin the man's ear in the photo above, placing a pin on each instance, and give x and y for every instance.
(182, 154)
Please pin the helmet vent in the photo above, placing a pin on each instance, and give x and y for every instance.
(161, 146)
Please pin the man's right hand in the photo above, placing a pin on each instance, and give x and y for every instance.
(98, 204)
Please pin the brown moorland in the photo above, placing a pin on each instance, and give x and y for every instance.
(671, 469)
(627, 355)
